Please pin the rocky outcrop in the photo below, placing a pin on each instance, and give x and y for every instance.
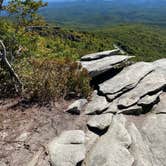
(115, 136)
(100, 66)
(115, 141)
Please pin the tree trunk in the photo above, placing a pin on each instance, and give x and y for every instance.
(8, 66)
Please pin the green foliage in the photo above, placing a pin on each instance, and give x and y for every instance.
(46, 61)
(46, 79)
(25, 12)
(145, 42)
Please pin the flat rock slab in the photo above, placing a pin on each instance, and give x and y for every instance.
(112, 148)
(99, 55)
(68, 149)
(133, 110)
(97, 67)
(100, 122)
(127, 79)
(97, 104)
(154, 81)
(77, 106)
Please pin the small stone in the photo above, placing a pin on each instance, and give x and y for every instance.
(77, 106)
(97, 104)
(100, 122)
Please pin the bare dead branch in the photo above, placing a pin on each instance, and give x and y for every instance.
(8, 65)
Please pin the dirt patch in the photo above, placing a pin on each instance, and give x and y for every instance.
(25, 130)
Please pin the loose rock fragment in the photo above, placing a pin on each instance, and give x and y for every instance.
(97, 104)
(100, 122)
(77, 106)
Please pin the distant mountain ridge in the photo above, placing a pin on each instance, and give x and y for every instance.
(99, 13)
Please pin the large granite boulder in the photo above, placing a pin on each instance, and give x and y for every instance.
(112, 148)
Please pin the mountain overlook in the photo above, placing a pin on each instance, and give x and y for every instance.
(106, 12)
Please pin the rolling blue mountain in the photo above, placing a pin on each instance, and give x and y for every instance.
(99, 13)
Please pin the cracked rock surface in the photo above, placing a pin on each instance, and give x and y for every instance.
(127, 117)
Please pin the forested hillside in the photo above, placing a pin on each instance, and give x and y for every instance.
(100, 13)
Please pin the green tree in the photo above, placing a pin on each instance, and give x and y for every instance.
(25, 12)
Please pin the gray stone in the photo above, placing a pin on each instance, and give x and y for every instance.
(161, 63)
(161, 106)
(154, 132)
(139, 148)
(99, 55)
(149, 99)
(71, 137)
(133, 110)
(68, 149)
(77, 106)
(127, 79)
(91, 139)
(2, 163)
(97, 104)
(155, 81)
(112, 148)
(100, 66)
(113, 107)
(100, 122)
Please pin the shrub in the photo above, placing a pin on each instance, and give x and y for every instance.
(47, 79)
(7, 88)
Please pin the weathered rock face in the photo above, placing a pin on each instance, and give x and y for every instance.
(115, 136)
(99, 66)
(100, 55)
(127, 79)
(153, 82)
(115, 141)
(160, 108)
